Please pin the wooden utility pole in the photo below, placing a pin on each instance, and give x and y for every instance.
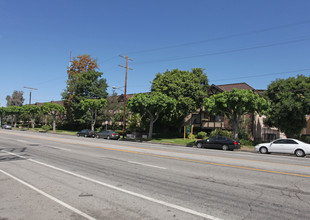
(30, 92)
(125, 91)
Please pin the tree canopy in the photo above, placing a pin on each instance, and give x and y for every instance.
(93, 105)
(16, 99)
(54, 110)
(152, 105)
(30, 112)
(290, 103)
(234, 104)
(84, 82)
(187, 87)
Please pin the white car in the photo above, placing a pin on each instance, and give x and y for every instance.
(289, 146)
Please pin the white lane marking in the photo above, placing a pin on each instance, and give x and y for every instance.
(59, 148)
(187, 210)
(148, 165)
(50, 197)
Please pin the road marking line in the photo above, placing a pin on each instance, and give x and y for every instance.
(148, 165)
(59, 148)
(66, 142)
(49, 196)
(184, 159)
(180, 208)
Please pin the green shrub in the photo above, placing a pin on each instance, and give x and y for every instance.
(46, 127)
(246, 142)
(305, 139)
(201, 135)
(220, 132)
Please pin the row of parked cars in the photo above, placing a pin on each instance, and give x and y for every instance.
(287, 145)
(103, 134)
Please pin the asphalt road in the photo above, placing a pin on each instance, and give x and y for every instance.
(45, 176)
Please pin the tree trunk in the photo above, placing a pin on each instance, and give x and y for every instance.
(32, 123)
(54, 124)
(151, 128)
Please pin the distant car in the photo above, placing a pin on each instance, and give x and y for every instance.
(86, 133)
(218, 142)
(289, 146)
(6, 127)
(108, 135)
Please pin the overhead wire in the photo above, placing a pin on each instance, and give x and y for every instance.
(226, 51)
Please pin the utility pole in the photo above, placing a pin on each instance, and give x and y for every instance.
(125, 91)
(30, 92)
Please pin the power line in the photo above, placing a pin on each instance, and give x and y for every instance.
(223, 37)
(261, 75)
(228, 51)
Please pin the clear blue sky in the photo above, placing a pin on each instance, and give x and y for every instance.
(252, 41)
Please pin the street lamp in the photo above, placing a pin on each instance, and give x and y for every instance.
(124, 116)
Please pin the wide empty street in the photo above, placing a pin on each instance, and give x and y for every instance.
(47, 176)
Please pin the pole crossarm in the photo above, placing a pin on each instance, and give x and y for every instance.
(30, 89)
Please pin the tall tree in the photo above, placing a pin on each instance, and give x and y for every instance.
(2, 114)
(187, 87)
(152, 105)
(93, 105)
(290, 103)
(234, 104)
(84, 82)
(30, 111)
(112, 112)
(53, 109)
(16, 99)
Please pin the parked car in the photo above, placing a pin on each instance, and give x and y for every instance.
(289, 146)
(86, 133)
(218, 142)
(108, 135)
(6, 127)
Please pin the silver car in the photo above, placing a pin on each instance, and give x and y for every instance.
(7, 127)
(289, 146)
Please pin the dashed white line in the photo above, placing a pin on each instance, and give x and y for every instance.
(177, 207)
(50, 197)
(148, 165)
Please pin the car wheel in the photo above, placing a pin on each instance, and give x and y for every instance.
(97, 136)
(300, 153)
(78, 135)
(85, 135)
(199, 145)
(263, 150)
(224, 147)
(108, 137)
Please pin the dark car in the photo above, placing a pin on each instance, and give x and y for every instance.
(86, 133)
(108, 135)
(218, 142)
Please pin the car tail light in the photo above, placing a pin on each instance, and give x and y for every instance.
(113, 134)
(235, 143)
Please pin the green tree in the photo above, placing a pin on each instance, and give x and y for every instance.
(290, 103)
(16, 99)
(234, 104)
(30, 112)
(53, 109)
(153, 105)
(93, 105)
(187, 87)
(14, 112)
(2, 114)
(84, 82)
(110, 111)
